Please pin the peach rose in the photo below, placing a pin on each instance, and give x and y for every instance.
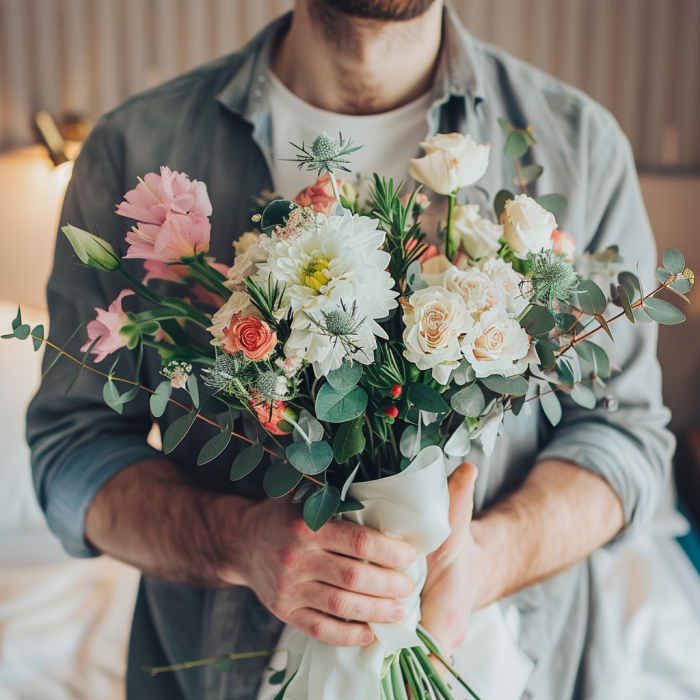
(563, 244)
(430, 252)
(251, 336)
(319, 196)
(271, 422)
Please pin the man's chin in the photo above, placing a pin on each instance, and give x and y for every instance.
(388, 10)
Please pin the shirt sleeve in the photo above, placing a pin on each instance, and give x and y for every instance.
(77, 442)
(629, 445)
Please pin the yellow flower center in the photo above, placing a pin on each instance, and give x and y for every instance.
(315, 276)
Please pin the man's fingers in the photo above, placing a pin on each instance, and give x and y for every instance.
(356, 576)
(461, 485)
(352, 606)
(327, 629)
(363, 543)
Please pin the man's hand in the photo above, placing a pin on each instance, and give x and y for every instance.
(316, 581)
(454, 579)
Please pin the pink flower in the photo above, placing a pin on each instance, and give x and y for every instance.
(430, 252)
(271, 423)
(422, 202)
(105, 329)
(319, 196)
(158, 195)
(180, 236)
(563, 244)
(250, 335)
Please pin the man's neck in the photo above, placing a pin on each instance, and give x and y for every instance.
(354, 65)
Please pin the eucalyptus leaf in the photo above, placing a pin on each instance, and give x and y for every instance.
(246, 460)
(662, 312)
(594, 355)
(17, 321)
(537, 321)
(625, 302)
(177, 430)
(551, 407)
(516, 405)
(681, 285)
(349, 504)
(662, 274)
(22, 332)
(277, 677)
(529, 174)
(583, 396)
(566, 374)
(313, 430)
(110, 394)
(516, 145)
(674, 261)
(591, 298)
(469, 401)
(506, 127)
(38, 336)
(514, 386)
(556, 204)
(309, 458)
(346, 376)
(214, 447)
(159, 400)
(281, 478)
(499, 203)
(546, 355)
(349, 440)
(193, 388)
(320, 507)
(339, 406)
(426, 398)
(630, 283)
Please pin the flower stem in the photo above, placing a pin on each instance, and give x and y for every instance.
(450, 248)
(334, 186)
(212, 278)
(155, 670)
(519, 176)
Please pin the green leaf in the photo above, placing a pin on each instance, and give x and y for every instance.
(339, 406)
(426, 398)
(469, 401)
(674, 261)
(506, 127)
(557, 204)
(537, 321)
(214, 447)
(38, 337)
(515, 146)
(529, 174)
(58, 355)
(625, 302)
(566, 376)
(276, 214)
(22, 332)
(591, 298)
(277, 677)
(320, 507)
(662, 312)
(17, 321)
(551, 407)
(349, 440)
(583, 396)
(81, 367)
(594, 355)
(499, 203)
(546, 355)
(346, 376)
(349, 504)
(177, 430)
(110, 394)
(514, 386)
(246, 460)
(516, 405)
(159, 400)
(604, 325)
(193, 388)
(681, 285)
(309, 458)
(662, 274)
(281, 478)
(630, 282)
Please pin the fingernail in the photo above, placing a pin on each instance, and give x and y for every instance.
(406, 589)
(396, 614)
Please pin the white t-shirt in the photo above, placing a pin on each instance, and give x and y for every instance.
(388, 140)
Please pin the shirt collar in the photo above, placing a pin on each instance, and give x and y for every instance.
(458, 74)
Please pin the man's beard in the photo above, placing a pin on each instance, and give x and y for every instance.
(388, 10)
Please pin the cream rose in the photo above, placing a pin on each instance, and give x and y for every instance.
(502, 273)
(238, 303)
(477, 289)
(480, 237)
(245, 265)
(452, 161)
(527, 226)
(496, 345)
(434, 324)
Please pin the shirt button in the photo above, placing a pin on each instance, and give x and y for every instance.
(611, 403)
(258, 93)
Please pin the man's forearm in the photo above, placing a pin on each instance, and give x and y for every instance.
(559, 516)
(154, 517)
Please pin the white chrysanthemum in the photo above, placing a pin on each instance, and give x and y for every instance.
(325, 333)
(238, 303)
(496, 345)
(339, 258)
(503, 274)
(436, 320)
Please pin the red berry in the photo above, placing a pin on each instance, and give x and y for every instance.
(391, 411)
(396, 390)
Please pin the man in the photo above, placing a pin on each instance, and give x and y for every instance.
(224, 569)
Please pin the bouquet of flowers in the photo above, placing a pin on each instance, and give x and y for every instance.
(365, 361)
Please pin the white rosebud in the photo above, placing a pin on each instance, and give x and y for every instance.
(496, 345)
(436, 320)
(527, 227)
(480, 237)
(452, 161)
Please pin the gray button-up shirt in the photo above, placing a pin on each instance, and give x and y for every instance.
(214, 124)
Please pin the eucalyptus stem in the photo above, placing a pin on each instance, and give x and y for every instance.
(519, 176)
(155, 670)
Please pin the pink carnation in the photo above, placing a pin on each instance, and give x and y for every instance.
(105, 329)
(319, 196)
(156, 196)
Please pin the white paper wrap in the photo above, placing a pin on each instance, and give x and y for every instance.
(412, 505)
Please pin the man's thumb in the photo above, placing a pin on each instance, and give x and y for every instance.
(461, 485)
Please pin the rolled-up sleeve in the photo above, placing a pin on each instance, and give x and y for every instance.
(77, 442)
(630, 446)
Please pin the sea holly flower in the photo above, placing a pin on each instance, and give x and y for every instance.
(105, 329)
(452, 161)
(552, 279)
(527, 226)
(480, 237)
(92, 250)
(249, 335)
(325, 154)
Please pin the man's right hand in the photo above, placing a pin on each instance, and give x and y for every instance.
(315, 581)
